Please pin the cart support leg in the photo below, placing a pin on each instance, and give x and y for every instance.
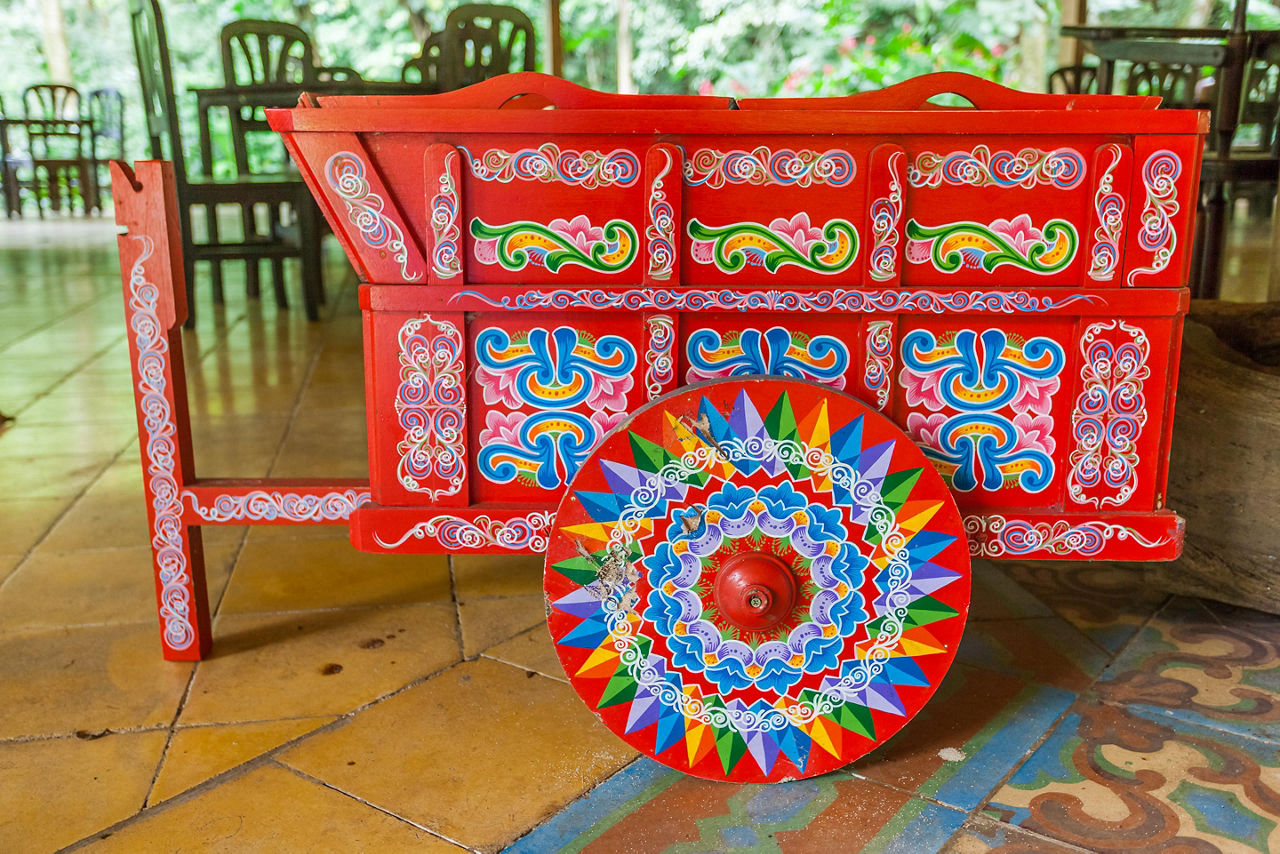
(155, 307)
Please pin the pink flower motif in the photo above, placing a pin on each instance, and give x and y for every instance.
(918, 251)
(1035, 395)
(797, 231)
(499, 386)
(487, 251)
(925, 428)
(579, 231)
(703, 251)
(1020, 232)
(922, 389)
(1035, 433)
(606, 421)
(609, 393)
(501, 428)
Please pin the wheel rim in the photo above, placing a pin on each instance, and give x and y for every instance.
(756, 580)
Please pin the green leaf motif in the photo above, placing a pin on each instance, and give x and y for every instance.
(522, 243)
(735, 244)
(960, 244)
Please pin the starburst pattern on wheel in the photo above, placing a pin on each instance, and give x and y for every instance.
(757, 580)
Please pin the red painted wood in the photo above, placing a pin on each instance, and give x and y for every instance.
(155, 307)
(1066, 536)
(444, 241)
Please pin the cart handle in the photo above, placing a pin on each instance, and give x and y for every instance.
(916, 93)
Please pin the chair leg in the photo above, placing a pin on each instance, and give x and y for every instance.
(277, 263)
(248, 220)
(215, 273)
(309, 249)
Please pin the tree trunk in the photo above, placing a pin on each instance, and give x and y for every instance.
(1224, 471)
(57, 56)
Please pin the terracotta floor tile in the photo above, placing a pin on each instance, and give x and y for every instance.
(314, 663)
(486, 622)
(24, 522)
(91, 679)
(275, 574)
(1048, 650)
(24, 440)
(269, 809)
(8, 563)
(976, 728)
(1204, 663)
(60, 476)
(479, 753)
(112, 512)
(58, 791)
(326, 444)
(200, 753)
(497, 575)
(95, 586)
(1110, 777)
(112, 412)
(532, 650)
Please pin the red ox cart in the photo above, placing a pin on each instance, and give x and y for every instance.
(759, 379)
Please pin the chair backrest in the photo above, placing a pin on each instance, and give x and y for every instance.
(425, 67)
(482, 40)
(52, 101)
(106, 109)
(155, 76)
(1073, 80)
(258, 52)
(1174, 83)
(1261, 101)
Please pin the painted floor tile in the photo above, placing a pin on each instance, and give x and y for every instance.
(1112, 777)
(980, 834)
(996, 596)
(966, 739)
(1048, 650)
(1205, 663)
(1109, 602)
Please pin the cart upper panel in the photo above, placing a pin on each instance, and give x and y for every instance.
(863, 191)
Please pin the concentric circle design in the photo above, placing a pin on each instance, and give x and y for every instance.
(756, 579)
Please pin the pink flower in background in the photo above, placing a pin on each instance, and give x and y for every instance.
(1020, 232)
(797, 231)
(579, 231)
(705, 88)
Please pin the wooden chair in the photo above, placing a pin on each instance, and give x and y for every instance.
(165, 142)
(106, 143)
(1074, 80)
(60, 160)
(1175, 84)
(425, 67)
(482, 40)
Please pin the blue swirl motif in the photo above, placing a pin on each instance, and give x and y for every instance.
(995, 536)
(446, 234)
(1109, 206)
(1157, 235)
(834, 299)
(1109, 415)
(549, 164)
(168, 534)
(776, 352)
(559, 369)
(661, 231)
(345, 173)
(262, 505)
(431, 408)
(554, 372)
(763, 166)
(886, 213)
(1062, 168)
(978, 375)
(549, 446)
(836, 569)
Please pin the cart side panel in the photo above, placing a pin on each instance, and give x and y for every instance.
(778, 208)
(417, 405)
(1115, 430)
(1105, 237)
(985, 398)
(545, 388)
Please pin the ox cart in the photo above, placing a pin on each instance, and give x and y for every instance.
(759, 378)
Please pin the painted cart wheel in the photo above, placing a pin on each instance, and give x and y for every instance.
(756, 580)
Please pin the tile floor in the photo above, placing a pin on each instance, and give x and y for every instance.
(358, 703)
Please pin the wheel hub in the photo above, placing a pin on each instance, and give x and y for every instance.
(755, 591)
